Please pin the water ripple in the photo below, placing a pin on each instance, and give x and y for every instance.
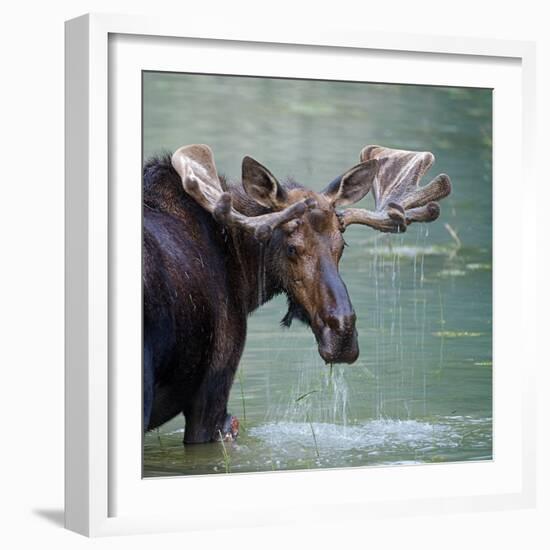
(377, 435)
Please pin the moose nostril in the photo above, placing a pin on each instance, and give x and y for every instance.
(333, 322)
(340, 323)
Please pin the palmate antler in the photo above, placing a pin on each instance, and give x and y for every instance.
(398, 200)
(196, 167)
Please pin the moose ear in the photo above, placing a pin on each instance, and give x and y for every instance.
(261, 185)
(353, 185)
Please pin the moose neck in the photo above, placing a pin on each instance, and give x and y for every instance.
(252, 261)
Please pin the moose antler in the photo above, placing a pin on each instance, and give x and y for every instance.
(398, 199)
(196, 167)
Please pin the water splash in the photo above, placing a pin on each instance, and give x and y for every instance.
(378, 436)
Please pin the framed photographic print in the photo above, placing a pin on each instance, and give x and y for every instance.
(288, 275)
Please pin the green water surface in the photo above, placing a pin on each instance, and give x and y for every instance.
(421, 390)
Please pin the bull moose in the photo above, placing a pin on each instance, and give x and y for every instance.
(213, 252)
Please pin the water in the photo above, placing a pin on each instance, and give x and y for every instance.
(421, 390)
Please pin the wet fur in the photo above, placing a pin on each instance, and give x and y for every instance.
(199, 285)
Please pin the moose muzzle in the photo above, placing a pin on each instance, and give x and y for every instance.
(337, 338)
(334, 323)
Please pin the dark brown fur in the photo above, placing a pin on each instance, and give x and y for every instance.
(200, 282)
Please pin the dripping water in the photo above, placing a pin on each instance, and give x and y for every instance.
(415, 275)
(423, 331)
(261, 274)
(381, 332)
(424, 245)
(320, 394)
(377, 326)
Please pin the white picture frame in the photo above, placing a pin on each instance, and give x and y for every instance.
(104, 490)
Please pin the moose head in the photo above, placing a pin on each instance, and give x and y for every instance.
(302, 229)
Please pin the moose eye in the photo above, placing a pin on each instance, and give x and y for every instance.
(291, 250)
